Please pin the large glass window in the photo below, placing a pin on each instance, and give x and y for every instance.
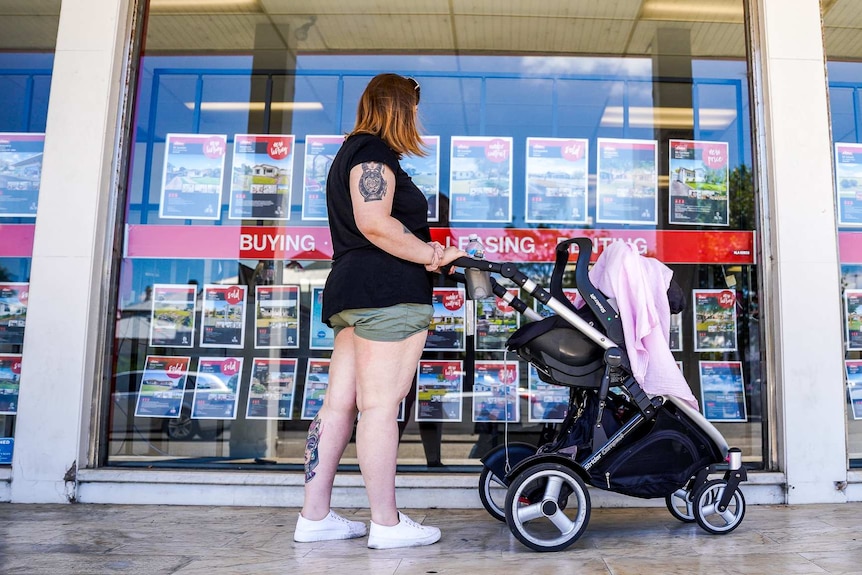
(625, 121)
(28, 34)
(843, 43)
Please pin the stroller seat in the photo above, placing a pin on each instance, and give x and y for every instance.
(561, 354)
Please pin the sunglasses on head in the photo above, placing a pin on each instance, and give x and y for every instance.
(416, 88)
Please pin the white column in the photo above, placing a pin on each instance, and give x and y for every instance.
(802, 254)
(69, 253)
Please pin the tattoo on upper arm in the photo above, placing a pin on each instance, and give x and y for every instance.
(372, 185)
(406, 231)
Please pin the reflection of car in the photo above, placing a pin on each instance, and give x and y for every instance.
(124, 396)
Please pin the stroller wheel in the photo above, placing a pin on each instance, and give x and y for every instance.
(706, 513)
(492, 492)
(547, 507)
(680, 506)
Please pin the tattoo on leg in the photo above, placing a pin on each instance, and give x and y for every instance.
(372, 186)
(311, 455)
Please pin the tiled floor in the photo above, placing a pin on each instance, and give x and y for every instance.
(99, 539)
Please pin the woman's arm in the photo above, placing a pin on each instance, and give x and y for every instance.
(372, 188)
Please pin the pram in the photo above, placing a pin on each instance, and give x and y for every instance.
(614, 436)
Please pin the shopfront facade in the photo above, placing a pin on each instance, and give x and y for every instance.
(161, 279)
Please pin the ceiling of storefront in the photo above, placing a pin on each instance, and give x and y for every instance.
(440, 26)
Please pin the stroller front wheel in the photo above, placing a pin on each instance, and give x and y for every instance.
(547, 507)
(492, 493)
(706, 502)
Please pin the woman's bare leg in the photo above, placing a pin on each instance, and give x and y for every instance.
(330, 431)
(384, 373)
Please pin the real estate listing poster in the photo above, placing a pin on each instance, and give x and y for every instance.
(714, 319)
(223, 316)
(848, 183)
(321, 336)
(7, 446)
(425, 173)
(557, 180)
(192, 176)
(10, 382)
(217, 388)
(172, 316)
(439, 390)
(319, 153)
(698, 187)
(722, 391)
(448, 326)
(480, 179)
(853, 369)
(20, 173)
(627, 181)
(271, 388)
(495, 391)
(853, 319)
(676, 332)
(163, 386)
(276, 319)
(549, 403)
(261, 176)
(13, 312)
(316, 382)
(495, 322)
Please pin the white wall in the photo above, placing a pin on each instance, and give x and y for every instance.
(803, 269)
(63, 318)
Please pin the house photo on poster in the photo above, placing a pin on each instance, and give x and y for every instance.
(549, 403)
(321, 336)
(276, 318)
(853, 319)
(495, 322)
(698, 186)
(217, 388)
(192, 176)
(163, 386)
(626, 181)
(172, 316)
(439, 390)
(848, 183)
(714, 320)
(495, 392)
(448, 325)
(261, 176)
(722, 391)
(853, 371)
(14, 297)
(480, 179)
(271, 388)
(319, 153)
(223, 316)
(425, 173)
(10, 382)
(557, 180)
(316, 382)
(20, 173)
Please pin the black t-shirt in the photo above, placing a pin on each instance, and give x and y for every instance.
(363, 275)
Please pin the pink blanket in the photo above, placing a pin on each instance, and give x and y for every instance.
(639, 285)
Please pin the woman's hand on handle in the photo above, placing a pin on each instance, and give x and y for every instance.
(449, 255)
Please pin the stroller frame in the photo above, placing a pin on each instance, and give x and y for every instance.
(547, 505)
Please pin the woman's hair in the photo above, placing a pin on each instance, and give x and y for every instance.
(387, 109)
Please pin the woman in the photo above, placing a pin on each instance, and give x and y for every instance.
(377, 299)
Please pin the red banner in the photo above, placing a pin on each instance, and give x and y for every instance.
(501, 244)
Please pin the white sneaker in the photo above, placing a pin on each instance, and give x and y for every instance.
(407, 533)
(331, 527)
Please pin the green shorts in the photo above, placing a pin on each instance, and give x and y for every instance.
(393, 323)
